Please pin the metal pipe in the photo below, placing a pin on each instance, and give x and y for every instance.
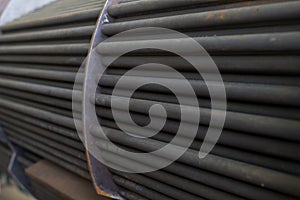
(263, 64)
(36, 121)
(211, 179)
(275, 94)
(59, 111)
(226, 151)
(41, 114)
(54, 156)
(52, 136)
(54, 102)
(130, 195)
(243, 107)
(141, 190)
(54, 20)
(59, 34)
(135, 7)
(57, 49)
(37, 73)
(233, 139)
(44, 141)
(155, 185)
(59, 84)
(255, 79)
(50, 67)
(56, 60)
(238, 170)
(36, 88)
(30, 142)
(218, 45)
(267, 126)
(220, 5)
(248, 15)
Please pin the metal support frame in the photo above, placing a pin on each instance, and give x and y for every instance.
(14, 168)
(102, 178)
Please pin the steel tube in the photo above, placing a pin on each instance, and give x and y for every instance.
(219, 45)
(193, 9)
(57, 49)
(141, 190)
(256, 79)
(155, 185)
(238, 170)
(234, 139)
(40, 74)
(36, 121)
(275, 94)
(60, 34)
(227, 152)
(10, 122)
(36, 88)
(59, 111)
(41, 114)
(30, 142)
(280, 65)
(243, 107)
(268, 126)
(205, 177)
(58, 158)
(44, 141)
(56, 60)
(52, 101)
(247, 15)
(55, 20)
(137, 7)
(130, 195)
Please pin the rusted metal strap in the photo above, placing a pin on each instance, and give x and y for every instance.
(102, 178)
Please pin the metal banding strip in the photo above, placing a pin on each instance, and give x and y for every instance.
(101, 177)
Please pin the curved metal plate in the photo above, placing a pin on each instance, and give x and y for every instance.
(102, 178)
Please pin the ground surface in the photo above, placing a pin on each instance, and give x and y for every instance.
(13, 193)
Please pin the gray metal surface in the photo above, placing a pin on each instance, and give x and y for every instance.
(252, 43)
(255, 45)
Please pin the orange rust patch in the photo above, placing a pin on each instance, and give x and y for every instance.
(210, 15)
(102, 193)
(222, 15)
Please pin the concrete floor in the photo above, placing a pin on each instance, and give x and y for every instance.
(12, 192)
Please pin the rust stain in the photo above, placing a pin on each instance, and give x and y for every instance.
(222, 15)
(210, 15)
(102, 193)
(98, 190)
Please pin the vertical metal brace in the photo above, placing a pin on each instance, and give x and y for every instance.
(14, 168)
(102, 178)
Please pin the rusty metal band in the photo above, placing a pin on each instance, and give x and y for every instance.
(102, 178)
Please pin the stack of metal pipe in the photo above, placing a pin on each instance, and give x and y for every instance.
(40, 55)
(255, 45)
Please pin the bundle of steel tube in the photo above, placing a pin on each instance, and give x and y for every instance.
(37, 74)
(41, 54)
(255, 45)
